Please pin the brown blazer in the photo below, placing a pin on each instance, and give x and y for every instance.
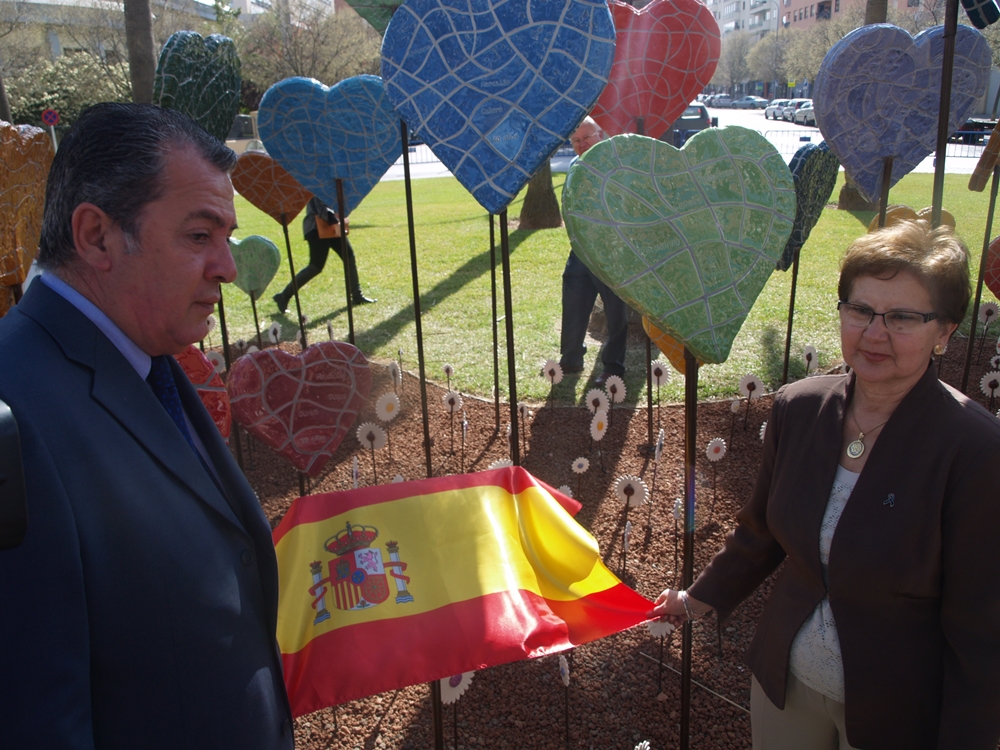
(914, 566)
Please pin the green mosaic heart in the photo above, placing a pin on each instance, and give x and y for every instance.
(201, 78)
(257, 260)
(687, 237)
(376, 12)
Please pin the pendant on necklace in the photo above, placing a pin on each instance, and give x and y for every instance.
(856, 448)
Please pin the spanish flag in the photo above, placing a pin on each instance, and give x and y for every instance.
(393, 585)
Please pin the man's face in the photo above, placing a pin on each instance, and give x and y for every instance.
(584, 137)
(167, 290)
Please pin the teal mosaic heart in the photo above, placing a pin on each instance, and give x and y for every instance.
(201, 78)
(375, 12)
(257, 260)
(687, 237)
(814, 169)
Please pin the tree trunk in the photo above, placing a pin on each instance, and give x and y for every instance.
(540, 209)
(850, 199)
(4, 103)
(141, 57)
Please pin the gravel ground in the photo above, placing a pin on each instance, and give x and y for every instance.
(618, 694)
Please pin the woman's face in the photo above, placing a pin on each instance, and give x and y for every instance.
(883, 357)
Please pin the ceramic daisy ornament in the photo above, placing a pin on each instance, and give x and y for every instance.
(763, 431)
(581, 465)
(395, 374)
(564, 670)
(454, 687)
(660, 371)
(387, 406)
(274, 332)
(452, 401)
(810, 354)
(678, 510)
(598, 426)
(398, 479)
(716, 449)
(615, 388)
(987, 312)
(217, 360)
(659, 628)
(596, 401)
(500, 463)
(552, 371)
(566, 490)
(371, 436)
(751, 386)
(631, 490)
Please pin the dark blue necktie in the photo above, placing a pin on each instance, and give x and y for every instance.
(161, 380)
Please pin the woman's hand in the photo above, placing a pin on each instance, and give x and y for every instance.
(669, 606)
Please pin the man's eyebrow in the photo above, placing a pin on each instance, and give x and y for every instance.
(212, 217)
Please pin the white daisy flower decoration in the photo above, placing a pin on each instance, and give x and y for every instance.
(212, 323)
(274, 332)
(581, 465)
(599, 425)
(716, 449)
(763, 431)
(751, 386)
(252, 348)
(734, 405)
(678, 510)
(452, 401)
(453, 688)
(631, 490)
(371, 436)
(615, 388)
(329, 330)
(522, 411)
(644, 745)
(596, 401)
(564, 669)
(566, 490)
(398, 479)
(659, 628)
(387, 406)
(661, 372)
(217, 360)
(809, 354)
(241, 345)
(449, 371)
(987, 312)
(500, 463)
(552, 371)
(990, 383)
(995, 362)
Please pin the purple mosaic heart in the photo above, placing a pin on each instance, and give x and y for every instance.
(494, 87)
(877, 95)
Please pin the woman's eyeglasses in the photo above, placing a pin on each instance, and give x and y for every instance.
(897, 321)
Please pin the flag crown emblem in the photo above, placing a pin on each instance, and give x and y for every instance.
(351, 538)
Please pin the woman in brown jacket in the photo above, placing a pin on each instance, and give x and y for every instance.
(885, 634)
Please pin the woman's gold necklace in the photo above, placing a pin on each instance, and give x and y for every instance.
(856, 448)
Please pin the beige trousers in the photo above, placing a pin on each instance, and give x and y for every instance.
(809, 721)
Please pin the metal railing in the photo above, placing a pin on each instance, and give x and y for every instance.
(789, 141)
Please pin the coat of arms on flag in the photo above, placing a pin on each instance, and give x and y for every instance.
(357, 577)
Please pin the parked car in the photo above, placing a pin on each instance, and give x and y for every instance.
(792, 107)
(750, 102)
(243, 134)
(775, 109)
(975, 130)
(805, 115)
(694, 118)
(722, 100)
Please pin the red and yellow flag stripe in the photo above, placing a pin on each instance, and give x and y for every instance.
(483, 569)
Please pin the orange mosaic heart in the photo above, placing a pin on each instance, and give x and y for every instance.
(269, 186)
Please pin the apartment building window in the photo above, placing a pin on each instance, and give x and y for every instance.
(836, 6)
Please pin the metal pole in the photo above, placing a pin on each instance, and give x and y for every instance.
(982, 273)
(291, 270)
(791, 315)
(343, 256)
(496, 343)
(944, 109)
(687, 576)
(883, 201)
(508, 309)
(235, 432)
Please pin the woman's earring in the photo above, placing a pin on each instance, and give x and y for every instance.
(939, 350)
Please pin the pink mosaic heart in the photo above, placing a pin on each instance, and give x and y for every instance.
(301, 405)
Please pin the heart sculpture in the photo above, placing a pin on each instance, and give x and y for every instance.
(269, 186)
(320, 134)
(25, 158)
(257, 260)
(375, 12)
(671, 349)
(687, 237)
(301, 405)
(496, 87)
(878, 92)
(991, 273)
(814, 169)
(203, 376)
(201, 78)
(665, 54)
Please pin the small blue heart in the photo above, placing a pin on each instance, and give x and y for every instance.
(320, 134)
(878, 93)
(814, 169)
(495, 87)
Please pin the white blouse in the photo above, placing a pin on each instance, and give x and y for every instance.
(815, 657)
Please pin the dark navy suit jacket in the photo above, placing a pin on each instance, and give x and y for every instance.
(140, 611)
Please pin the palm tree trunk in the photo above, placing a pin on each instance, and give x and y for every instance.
(141, 55)
(540, 209)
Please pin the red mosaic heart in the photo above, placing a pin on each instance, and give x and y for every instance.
(665, 54)
(201, 372)
(301, 405)
(991, 276)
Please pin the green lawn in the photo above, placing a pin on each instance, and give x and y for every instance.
(452, 233)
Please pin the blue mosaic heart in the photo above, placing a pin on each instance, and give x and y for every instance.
(814, 169)
(494, 87)
(320, 134)
(877, 95)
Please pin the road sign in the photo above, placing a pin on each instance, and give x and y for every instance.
(50, 117)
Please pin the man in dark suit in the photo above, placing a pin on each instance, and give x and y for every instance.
(140, 610)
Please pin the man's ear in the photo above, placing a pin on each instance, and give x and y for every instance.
(93, 234)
